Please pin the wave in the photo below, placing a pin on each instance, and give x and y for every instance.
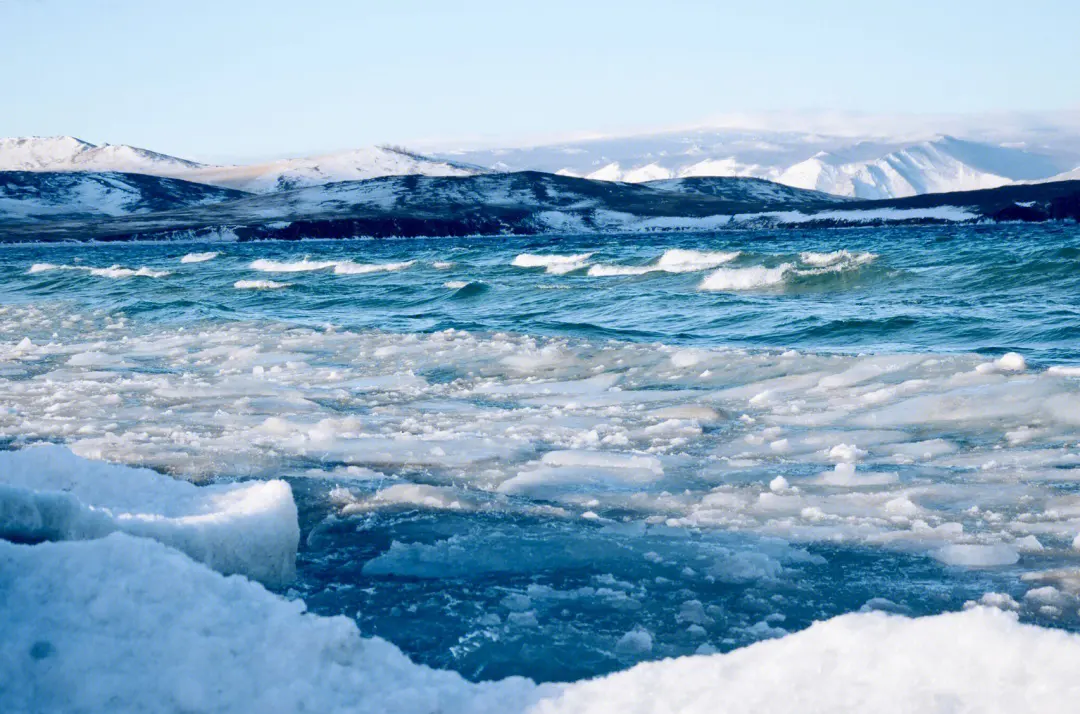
(347, 267)
(295, 266)
(259, 285)
(443, 264)
(199, 257)
(757, 276)
(552, 264)
(340, 267)
(114, 271)
(837, 257)
(465, 289)
(676, 260)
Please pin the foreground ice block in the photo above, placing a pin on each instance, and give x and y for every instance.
(48, 493)
(127, 624)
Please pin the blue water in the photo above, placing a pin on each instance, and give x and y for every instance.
(937, 289)
(547, 583)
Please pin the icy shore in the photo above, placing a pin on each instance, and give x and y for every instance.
(125, 623)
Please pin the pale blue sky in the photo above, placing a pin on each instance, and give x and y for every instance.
(229, 80)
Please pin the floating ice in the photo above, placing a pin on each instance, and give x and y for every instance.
(48, 493)
(977, 556)
(121, 619)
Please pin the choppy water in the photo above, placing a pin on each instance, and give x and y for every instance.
(558, 456)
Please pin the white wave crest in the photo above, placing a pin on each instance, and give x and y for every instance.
(340, 267)
(259, 285)
(822, 260)
(676, 260)
(750, 278)
(347, 267)
(553, 264)
(295, 266)
(199, 257)
(114, 271)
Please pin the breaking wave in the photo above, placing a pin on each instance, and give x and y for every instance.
(340, 267)
(553, 264)
(199, 257)
(259, 285)
(114, 271)
(676, 260)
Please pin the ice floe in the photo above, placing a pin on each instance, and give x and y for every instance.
(124, 623)
(49, 494)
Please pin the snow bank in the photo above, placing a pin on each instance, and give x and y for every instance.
(49, 494)
(977, 661)
(127, 624)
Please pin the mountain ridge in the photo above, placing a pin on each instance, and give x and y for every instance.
(532, 203)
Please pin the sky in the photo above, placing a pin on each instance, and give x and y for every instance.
(233, 81)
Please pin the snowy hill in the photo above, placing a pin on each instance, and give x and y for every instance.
(37, 195)
(530, 203)
(945, 164)
(745, 189)
(844, 165)
(1073, 175)
(358, 165)
(66, 153)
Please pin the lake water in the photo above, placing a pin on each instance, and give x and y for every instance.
(559, 456)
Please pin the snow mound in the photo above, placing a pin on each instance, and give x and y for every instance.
(127, 624)
(47, 493)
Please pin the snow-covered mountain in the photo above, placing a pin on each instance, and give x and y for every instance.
(845, 165)
(945, 164)
(65, 153)
(37, 195)
(530, 203)
(746, 189)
